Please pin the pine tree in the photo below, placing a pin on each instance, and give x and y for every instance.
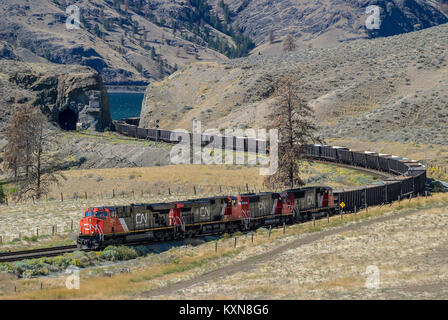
(289, 43)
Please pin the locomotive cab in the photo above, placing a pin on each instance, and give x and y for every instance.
(92, 228)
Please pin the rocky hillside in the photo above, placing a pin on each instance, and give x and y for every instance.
(327, 22)
(125, 41)
(66, 94)
(393, 89)
(137, 41)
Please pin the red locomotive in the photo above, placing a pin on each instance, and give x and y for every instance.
(143, 223)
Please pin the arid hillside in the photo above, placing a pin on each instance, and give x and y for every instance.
(138, 41)
(393, 89)
(328, 22)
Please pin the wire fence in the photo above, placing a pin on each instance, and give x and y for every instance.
(44, 229)
(156, 191)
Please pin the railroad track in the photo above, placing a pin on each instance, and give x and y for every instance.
(36, 253)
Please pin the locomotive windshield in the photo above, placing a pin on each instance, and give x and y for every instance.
(98, 214)
(101, 214)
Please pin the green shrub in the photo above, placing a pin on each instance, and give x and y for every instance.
(80, 259)
(30, 268)
(2, 195)
(113, 253)
(142, 250)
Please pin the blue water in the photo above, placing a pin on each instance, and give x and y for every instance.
(125, 105)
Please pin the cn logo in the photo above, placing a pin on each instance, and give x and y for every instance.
(91, 227)
(204, 212)
(140, 218)
(373, 21)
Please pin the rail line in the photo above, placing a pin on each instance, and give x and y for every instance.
(36, 253)
(404, 177)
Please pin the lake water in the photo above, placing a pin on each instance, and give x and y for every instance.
(125, 105)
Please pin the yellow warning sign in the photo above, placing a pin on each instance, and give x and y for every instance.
(342, 205)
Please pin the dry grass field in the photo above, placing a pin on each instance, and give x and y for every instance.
(406, 242)
(118, 186)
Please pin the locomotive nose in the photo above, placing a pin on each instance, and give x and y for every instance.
(90, 225)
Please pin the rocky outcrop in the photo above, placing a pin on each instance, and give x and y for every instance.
(68, 95)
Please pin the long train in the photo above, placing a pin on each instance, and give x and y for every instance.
(102, 226)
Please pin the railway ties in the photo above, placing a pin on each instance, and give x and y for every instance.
(36, 253)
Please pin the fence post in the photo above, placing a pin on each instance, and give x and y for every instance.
(328, 217)
(270, 227)
(284, 227)
(169, 191)
(247, 188)
(133, 195)
(113, 193)
(52, 230)
(62, 197)
(37, 232)
(71, 227)
(1, 239)
(252, 237)
(216, 246)
(86, 194)
(314, 221)
(235, 242)
(220, 188)
(194, 187)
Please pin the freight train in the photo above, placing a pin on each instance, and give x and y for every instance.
(129, 127)
(143, 223)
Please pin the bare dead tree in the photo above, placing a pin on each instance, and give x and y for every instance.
(17, 152)
(29, 157)
(293, 118)
(289, 44)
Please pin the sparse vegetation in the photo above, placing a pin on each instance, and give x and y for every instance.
(186, 262)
